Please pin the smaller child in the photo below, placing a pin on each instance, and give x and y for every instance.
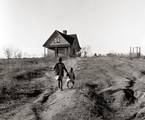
(71, 76)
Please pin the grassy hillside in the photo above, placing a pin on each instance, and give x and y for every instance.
(106, 88)
(22, 80)
(104, 91)
(112, 77)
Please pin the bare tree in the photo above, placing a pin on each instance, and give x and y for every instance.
(17, 53)
(8, 52)
(85, 50)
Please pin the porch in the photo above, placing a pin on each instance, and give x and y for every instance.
(58, 51)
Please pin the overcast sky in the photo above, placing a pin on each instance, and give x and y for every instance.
(104, 25)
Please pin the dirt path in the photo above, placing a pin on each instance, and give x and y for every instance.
(57, 103)
(36, 109)
(60, 100)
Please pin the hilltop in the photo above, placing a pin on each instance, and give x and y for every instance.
(106, 88)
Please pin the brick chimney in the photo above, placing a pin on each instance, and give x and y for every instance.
(65, 32)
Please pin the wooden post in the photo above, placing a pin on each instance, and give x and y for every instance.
(44, 52)
(68, 51)
(140, 51)
(47, 51)
(137, 52)
(130, 51)
(56, 52)
(136, 49)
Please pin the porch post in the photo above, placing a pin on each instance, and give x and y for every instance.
(65, 51)
(44, 52)
(47, 51)
(139, 51)
(68, 51)
(130, 51)
(56, 52)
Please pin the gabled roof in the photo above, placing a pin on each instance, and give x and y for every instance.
(46, 44)
(70, 38)
(76, 40)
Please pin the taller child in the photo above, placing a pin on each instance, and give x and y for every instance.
(59, 70)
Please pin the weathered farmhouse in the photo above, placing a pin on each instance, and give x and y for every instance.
(63, 44)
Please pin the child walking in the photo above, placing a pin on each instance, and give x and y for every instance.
(59, 70)
(71, 80)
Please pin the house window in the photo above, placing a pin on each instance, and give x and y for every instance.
(57, 40)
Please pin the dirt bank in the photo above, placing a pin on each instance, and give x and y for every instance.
(106, 88)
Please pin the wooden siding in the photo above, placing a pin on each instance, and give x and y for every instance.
(62, 41)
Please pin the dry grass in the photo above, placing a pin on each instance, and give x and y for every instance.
(20, 81)
(99, 93)
(115, 73)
